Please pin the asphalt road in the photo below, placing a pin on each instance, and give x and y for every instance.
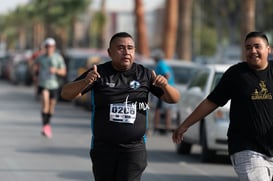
(25, 155)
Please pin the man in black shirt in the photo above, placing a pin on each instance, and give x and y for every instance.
(120, 91)
(249, 86)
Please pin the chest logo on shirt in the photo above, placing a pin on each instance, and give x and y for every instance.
(110, 84)
(134, 84)
(261, 93)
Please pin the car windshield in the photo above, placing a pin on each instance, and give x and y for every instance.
(200, 79)
(183, 74)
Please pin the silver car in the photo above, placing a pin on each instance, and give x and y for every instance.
(211, 132)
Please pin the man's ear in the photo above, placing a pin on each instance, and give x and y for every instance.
(109, 52)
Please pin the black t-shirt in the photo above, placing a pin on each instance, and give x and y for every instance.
(120, 104)
(251, 109)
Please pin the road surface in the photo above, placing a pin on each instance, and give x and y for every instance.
(28, 156)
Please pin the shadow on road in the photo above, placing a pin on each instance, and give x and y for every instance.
(165, 155)
(77, 175)
(53, 150)
(176, 177)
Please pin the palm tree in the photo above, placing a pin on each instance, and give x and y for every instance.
(171, 22)
(102, 41)
(16, 28)
(37, 27)
(100, 21)
(60, 17)
(72, 10)
(184, 43)
(248, 19)
(141, 30)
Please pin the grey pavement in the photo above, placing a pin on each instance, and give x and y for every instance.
(25, 155)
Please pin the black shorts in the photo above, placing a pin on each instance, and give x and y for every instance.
(53, 93)
(117, 165)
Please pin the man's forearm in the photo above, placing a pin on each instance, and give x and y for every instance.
(171, 94)
(73, 89)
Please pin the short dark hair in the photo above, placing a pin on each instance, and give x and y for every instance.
(119, 35)
(256, 34)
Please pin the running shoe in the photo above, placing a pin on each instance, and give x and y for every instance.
(47, 131)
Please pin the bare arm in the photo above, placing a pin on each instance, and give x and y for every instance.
(171, 94)
(61, 72)
(73, 89)
(58, 71)
(201, 111)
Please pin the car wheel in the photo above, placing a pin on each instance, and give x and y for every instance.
(207, 155)
(183, 148)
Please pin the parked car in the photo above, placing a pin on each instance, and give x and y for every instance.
(3, 64)
(183, 72)
(18, 70)
(210, 132)
(21, 73)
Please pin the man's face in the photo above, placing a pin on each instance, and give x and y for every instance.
(256, 52)
(50, 49)
(122, 53)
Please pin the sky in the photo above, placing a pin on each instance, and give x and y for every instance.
(7, 5)
(113, 5)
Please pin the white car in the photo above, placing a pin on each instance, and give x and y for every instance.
(183, 72)
(211, 132)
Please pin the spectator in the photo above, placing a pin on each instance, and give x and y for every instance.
(163, 109)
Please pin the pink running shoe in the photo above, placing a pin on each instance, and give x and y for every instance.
(47, 131)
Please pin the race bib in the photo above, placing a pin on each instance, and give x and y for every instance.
(123, 113)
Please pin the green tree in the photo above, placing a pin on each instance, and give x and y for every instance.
(57, 18)
(15, 28)
(97, 27)
(60, 17)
